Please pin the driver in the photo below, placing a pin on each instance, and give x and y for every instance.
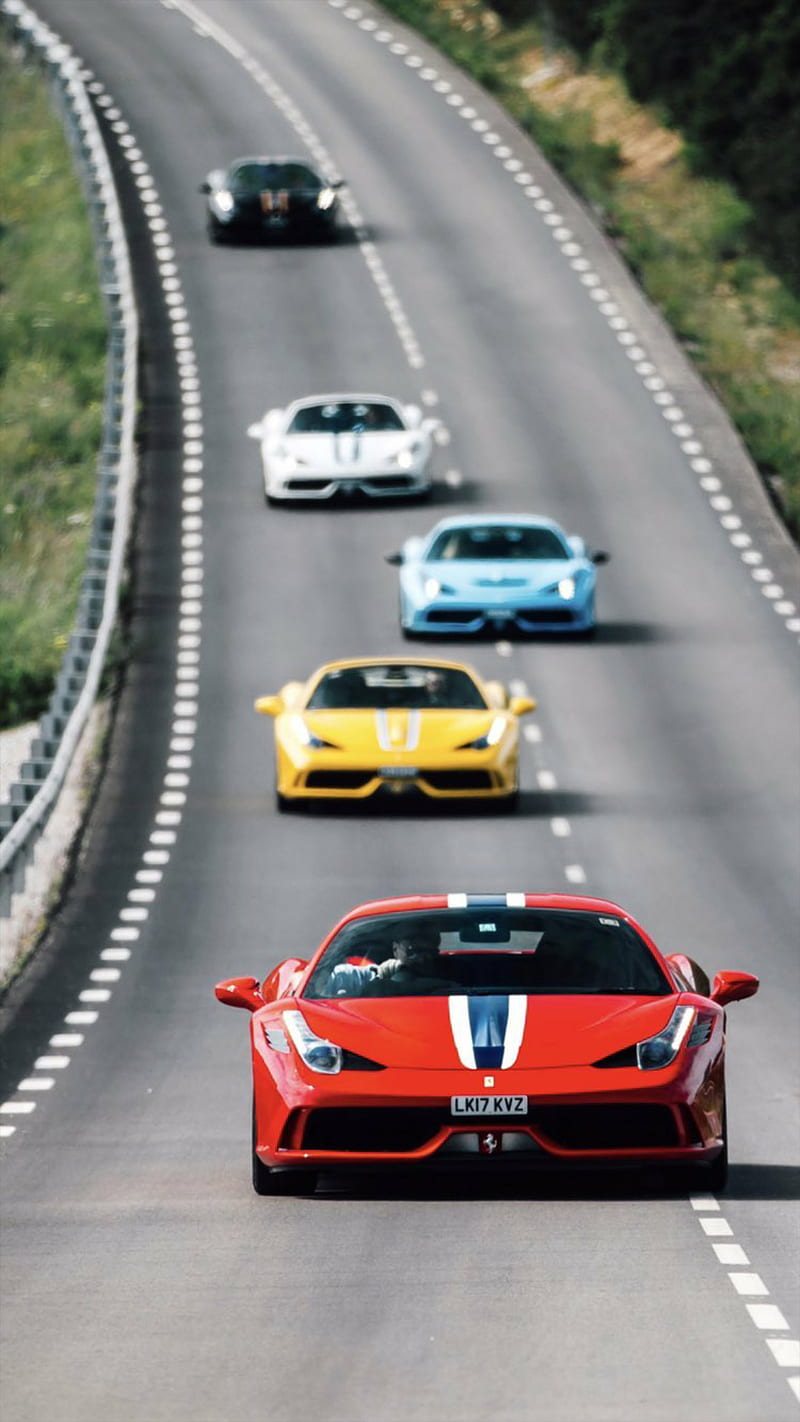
(414, 956)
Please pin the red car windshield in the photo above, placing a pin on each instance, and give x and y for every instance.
(492, 950)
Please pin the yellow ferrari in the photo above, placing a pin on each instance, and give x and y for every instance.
(395, 727)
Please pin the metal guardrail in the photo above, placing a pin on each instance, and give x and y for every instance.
(34, 795)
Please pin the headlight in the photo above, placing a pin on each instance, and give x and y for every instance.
(307, 737)
(661, 1050)
(224, 200)
(287, 459)
(406, 458)
(325, 199)
(566, 588)
(317, 1053)
(491, 738)
(432, 588)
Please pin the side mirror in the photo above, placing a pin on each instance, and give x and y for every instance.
(394, 558)
(600, 556)
(340, 183)
(269, 705)
(256, 431)
(240, 992)
(521, 705)
(205, 187)
(733, 987)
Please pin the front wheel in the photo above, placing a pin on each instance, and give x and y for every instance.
(279, 1182)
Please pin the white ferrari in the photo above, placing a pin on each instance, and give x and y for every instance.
(324, 445)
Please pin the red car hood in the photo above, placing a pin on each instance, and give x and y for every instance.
(419, 1032)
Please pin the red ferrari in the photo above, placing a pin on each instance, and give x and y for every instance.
(474, 1028)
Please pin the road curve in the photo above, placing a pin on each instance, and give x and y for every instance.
(141, 1278)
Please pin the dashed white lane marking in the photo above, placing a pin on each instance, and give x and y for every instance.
(768, 1318)
(546, 780)
(503, 649)
(730, 521)
(715, 1227)
(560, 827)
(575, 874)
(136, 910)
(532, 733)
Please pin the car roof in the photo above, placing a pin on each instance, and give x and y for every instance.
(273, 158)
(493, 520)
(435, 662)
(340, 396)
(413, 903)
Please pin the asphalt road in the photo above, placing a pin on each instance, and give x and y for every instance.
(141, 1277)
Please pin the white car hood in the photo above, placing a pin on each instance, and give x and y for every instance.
(348, 451)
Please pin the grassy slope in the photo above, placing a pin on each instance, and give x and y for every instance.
(52, 361)
(686, 238)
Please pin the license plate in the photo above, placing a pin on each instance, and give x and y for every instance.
(488, 1105)
(398, 772)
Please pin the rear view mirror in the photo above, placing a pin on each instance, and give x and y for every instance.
(240, 992)
(269, 705)
(733, 987)
(394, 558)
(521, 705)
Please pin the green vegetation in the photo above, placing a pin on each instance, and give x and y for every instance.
(690, 237)
(52, 365)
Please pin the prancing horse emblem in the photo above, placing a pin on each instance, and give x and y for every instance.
(488, 1142)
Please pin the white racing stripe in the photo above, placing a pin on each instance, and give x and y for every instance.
(456, 901)
(460, 1025)
(515, 1029)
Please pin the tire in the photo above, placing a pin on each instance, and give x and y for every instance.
(713, 1177)
(279, 1182)
(717, 1172)
(283, 804)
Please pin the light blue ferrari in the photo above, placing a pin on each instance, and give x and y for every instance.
(499, 573)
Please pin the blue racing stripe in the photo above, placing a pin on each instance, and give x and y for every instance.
(488, 1020)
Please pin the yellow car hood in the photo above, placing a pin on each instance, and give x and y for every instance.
(398, 733)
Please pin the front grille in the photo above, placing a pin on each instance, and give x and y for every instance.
(607, 1126)
(453, 614)
(308, 486)
(538, 615)
(459, 779)
(338, 779)
(389, 481)
(372, 1128)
